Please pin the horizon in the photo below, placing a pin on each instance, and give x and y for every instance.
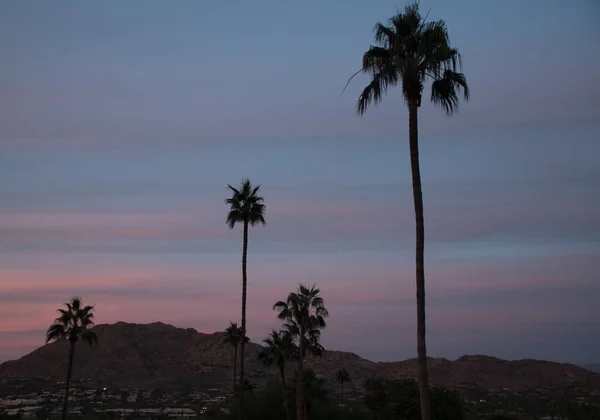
(121, 126)
(260, 343)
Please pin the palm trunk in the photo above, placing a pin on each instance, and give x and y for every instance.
(69, 372)
(420, 266)
(243, 343)
(300, 406)
(342, 392)
(235, 369)
(284, 387)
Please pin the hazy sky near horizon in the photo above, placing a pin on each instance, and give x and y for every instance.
(122, 122)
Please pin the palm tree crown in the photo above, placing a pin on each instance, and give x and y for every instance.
(410, 51)
(280, 347)
(73, 324)
(342, 376)
(245, 205)
(233, 335)
(305, 311)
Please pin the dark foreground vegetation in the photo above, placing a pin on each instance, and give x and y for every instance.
(399, 400)
(383, 400)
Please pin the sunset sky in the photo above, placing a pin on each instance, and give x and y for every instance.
(121, 123)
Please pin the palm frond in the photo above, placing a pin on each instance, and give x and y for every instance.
(65, 319)
(76, 303)
(376, 59)
(374, 91)
(257, 214)
(407, 23)
(55, 332)
(234, 190)
(384, 35)
(352, 77)
(444, 91)
(89, 337)
(234, 216)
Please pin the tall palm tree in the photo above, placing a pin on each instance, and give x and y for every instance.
(411, 51)
(233, 337)
(248, 208)
(304, 314)
(342, 377)
(280, 348)
(72, 325)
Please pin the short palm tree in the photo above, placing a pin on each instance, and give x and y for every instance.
(315, 389)
(72, 325)
(304, 314)
(248, 208)
(280, 348)
(409, 52)
(342, 377)
(233, 337)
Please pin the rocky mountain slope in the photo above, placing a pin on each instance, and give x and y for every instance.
(594, 367)
(158, 355)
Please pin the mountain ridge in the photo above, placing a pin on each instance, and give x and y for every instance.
(593, 367)
(130, 355)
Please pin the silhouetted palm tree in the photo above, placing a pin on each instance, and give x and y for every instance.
(72, 325)
(315, 390)
(280, 348)
(246, 207)
(233, 337)
(314, 387)
(342, 377)
(304, 314)
(410, 52)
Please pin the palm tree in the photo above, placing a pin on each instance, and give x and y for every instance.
(304, 314)
(409, 52)
(72, 325)
(314, 388)
(280, 349)
(248, 208)
(342, 377)
(233, 337)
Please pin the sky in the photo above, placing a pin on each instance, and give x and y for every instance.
(121, 124)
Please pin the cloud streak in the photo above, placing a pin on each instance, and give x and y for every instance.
(453, 215)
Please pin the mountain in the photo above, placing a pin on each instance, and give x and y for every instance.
(159, 355)
(594, 367)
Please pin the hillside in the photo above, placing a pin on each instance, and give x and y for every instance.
(158, 355)
(594, 367)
